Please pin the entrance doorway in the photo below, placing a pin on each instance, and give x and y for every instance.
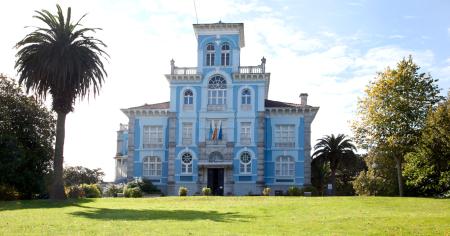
(215, 181)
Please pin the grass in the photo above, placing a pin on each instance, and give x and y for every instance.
(228, 216)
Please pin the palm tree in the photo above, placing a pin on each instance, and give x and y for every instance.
(332, 149)
(62, 60)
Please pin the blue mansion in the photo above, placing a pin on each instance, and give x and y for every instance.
(219, 128)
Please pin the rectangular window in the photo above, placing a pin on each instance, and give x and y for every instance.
(246, 133)
(210, 59)
(284, 135)
(225, 59)
(187, 134)
(285, 166)
(217, 97)
(153, 136)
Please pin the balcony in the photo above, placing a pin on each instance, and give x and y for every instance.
(184, 71)
(251, 69)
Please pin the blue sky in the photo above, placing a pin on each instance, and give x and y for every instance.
(329, 49)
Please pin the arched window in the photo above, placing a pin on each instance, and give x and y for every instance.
(188, 97)
(284, 166)
(151, 166)
(186, 163)
(225, 55)
(217, 91)
(246, 97)
(210, 50)
(245, 163)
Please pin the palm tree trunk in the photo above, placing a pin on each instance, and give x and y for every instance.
(399, 176)
(57, 192)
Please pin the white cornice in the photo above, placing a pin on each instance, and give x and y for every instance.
(307, 110)
(133, 112)
(221, 28)
(196, 77)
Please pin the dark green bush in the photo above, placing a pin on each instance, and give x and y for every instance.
(91, 190)
(113, 190)
(75, 192)
(135, 192)
(8, 193)
(182, 191)
(147, 186)
(133, 184)
(294, 191)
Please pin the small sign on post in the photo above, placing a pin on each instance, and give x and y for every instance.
(329, 189)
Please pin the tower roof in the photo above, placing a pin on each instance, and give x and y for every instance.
(221, 28)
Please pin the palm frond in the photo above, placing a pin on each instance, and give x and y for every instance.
(61, 59)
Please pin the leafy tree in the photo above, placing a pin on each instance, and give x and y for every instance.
(380, 177)
(27, 131)
(61, 60)
(393, 111)
(332, 149)
(427, 168)
(78, 175)
(347, 171)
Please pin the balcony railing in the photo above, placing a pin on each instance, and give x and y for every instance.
(251, 69)
(184, 71)
(259, 69)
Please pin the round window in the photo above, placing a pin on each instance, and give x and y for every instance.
(186, 158)
(245, 157)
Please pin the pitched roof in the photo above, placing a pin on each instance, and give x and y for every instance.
(272, 103)
(161, 105)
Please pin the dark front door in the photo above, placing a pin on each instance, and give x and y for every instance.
(215, 181)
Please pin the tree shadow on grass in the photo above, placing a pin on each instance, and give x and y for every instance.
(157, 214)
(40, 204)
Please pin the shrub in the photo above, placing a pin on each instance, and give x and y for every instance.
(182, 191)
(8, 193)
(113, 190)
(91, 190)
(206, 191)
(310, 189)
(147, 186)
(135, 192)
(294, 191)
(266, 191)
(133, 184)
(75, 192)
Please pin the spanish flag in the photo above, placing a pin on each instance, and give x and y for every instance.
(214, 135)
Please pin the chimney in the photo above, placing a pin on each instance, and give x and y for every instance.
(303, 99)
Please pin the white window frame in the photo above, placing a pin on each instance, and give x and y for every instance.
(210, 54)
(245, 167)
(186, 167)
(151, 166)
(188, 99)
(246, 97)
(187, 133)
(153, 136)
(246, 133)
(225, 55)
(285, 166)
(217, 91)
(285, 135)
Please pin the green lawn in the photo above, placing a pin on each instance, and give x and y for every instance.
(229, 216)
